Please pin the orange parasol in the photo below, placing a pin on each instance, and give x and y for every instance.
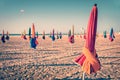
(33, 31)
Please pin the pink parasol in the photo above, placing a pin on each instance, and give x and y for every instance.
(71, 38)
(111, 37)
(89, 60)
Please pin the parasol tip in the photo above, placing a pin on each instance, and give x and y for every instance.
(95, 4)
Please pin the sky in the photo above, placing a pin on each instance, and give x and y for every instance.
(18, 15)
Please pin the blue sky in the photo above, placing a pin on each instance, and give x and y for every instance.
(17, 15)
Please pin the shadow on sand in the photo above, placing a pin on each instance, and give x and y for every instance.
(48, 50)
(109, 57)
(57, 65)
(108, 49)
(67, 78)
(9, 58)
(118, 52)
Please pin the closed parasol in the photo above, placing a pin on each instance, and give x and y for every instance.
(104, 34)
(53, 35)
(33, 40)
(89, 59)
(29, 33)
(3, 37)
(111, 35)
(43, 35)
(71, 38)
(7, 36)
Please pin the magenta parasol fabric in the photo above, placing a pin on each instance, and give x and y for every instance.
(88, 59)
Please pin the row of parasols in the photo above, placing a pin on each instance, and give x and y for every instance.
(51, 35)
(33, 36)
(59, 36)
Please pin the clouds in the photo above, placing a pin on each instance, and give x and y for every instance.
(22, 11)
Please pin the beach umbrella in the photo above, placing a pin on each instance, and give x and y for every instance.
(104, 34)
(37, 34)
(69, 33)
(73, 30)
(60, 35)
(80, 35)
(3, 37)
(29, 33)
(111, 37)
(57, 36)
(7, 36)
(53, 37)
(33, 40)
(50, 34)
(71, 38)
(89, 59)
(43, 35)
(24, 35)
(33, 31)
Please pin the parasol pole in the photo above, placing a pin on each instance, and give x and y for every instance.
(73, 39)
(71, 48)
(83, 76)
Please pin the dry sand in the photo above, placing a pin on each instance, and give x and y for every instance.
(20, 62)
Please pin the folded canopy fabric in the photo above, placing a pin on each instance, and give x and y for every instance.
(33, 43)
(71, 39)
(91, 63)
(111, 37)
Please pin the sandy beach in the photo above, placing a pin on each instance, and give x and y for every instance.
(55, 61)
